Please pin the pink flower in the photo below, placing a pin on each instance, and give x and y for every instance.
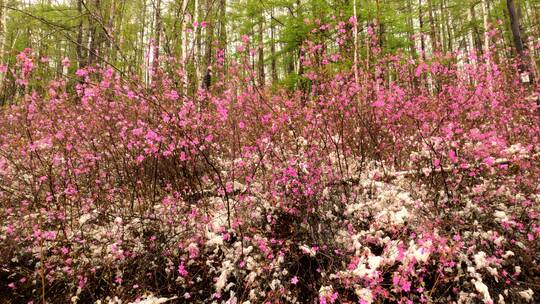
(81, 72)
(406, 285)
(294, 280)
(182, 270)
(378, 104)
(139, 159)
(452, 156)
(66, 62)
(353, 20)
(137, 132)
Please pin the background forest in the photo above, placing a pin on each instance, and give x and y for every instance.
(131, 35)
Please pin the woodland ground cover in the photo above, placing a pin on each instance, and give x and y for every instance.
(420, 187)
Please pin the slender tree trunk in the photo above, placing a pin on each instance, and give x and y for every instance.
(300, 52)
(3, 36)
(485, 15)
(410, 29)
(421, 31)
(449, 30)
(355, 41)
(197, 45)
(514, 27)
(261, 52)
(223, 26)
(143, 56)
(208, 48)
(433, 30)
(273, 48)
(157, 27)
(81, 58)
(111, 30)
(518, 42)
(184, 38)
(95, 33)
(476, 33)
(2, 30)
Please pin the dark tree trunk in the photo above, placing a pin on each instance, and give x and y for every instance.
(207, 81)
(155, 62)
(477, 39)
(514, 26)
(261, 53)
(273, 49)
(421, 24)
(518, 41)
(95, 33)
(81, 58)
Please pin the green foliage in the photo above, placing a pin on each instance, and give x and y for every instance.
(125, 28)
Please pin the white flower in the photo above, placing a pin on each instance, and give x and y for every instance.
(483, 290)
(526, 294)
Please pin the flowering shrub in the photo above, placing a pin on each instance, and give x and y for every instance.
(418, 183)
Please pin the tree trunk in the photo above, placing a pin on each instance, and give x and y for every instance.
(421, 30)
(81, 58)
(95, 33)
(433, 30)
(197, 46)
(223, 26)
(157, 26)
(3, 36)
(260, 63)
(208, 47)
(184, 38)
(485, 14)
(518, 42)
(410, 29)
(514, 26)
(355, 41)
(476, 33)
(273, 48)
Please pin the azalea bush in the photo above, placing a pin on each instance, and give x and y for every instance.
(405, 181)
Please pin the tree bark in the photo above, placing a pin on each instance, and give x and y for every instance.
(81, 58)
(421, 30)
(355, 41)
(3, 36)
(95, 34)
(184, 38)
(527, 76)
(410, 29)
(433, 30)
(208, 48)
(260, 63)
(157, 27)
(223, 26)
(476, 33)
(273, 48)
(514, 26)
